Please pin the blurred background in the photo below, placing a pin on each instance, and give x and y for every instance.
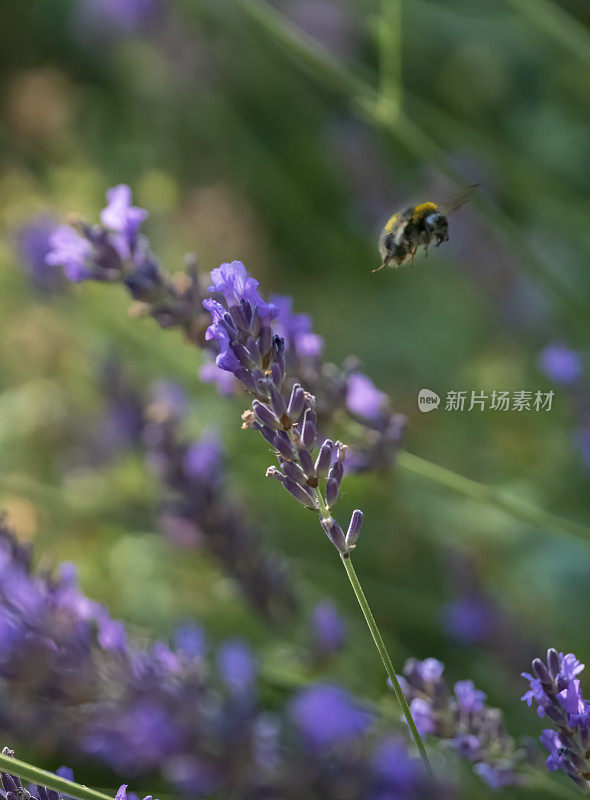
(286, 140)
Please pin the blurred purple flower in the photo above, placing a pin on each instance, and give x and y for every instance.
(203, 459)
(71, 251)
(397, 774)
(423, 716)
(123, 218)
(495, 777)
(469, 699)
(190, 640)
(469, 620)
(168, 399)
(560, 364)
(237, 667)
(326, 715)
(363, 398)
(33, 246)
(224, 381)
(328, 628)
(430, 670)
(296, 329)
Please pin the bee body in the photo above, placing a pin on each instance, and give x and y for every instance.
(417, 226)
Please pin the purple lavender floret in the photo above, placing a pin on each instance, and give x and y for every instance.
(555, 688)
(463, 721)
(73, 252)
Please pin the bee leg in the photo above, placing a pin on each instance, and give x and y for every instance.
(413, 255)
(379, 268)
(426, 250)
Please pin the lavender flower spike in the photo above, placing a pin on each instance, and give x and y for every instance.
(556, 691)
(310, 468)
(462, 719)
(115, 251)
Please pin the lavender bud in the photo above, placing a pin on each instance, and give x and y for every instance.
(247, 380)
(278, 403)
(553, 661)
(277, 374)
(252, 345)
(248, 312)
(268, 433)
(265, 415)
(300, 494)
(293, 471)
(337, 472)
(557, 716)
(324, 459)
(283, 445)
(335, 534)
(273, 472)
(239, 318)
(278, 347)
(296, 402)
(354, 528)
(307, 464)
(308, 433)
(542, 673)
(241, 354)
(332, 487)
(264, 341)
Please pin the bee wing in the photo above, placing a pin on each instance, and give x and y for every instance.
(456, 200)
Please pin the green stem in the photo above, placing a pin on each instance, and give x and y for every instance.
(557, 23)
(488, 494)
(389, 33)
(39, 776)
(380, 645)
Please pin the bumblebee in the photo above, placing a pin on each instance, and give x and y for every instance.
(417, 226)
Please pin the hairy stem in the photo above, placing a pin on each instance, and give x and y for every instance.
(380, 645)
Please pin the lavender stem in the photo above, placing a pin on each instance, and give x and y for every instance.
(28, 772)
(380, 645)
